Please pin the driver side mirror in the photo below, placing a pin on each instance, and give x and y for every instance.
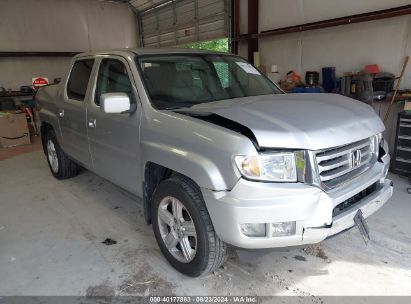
(112, 103)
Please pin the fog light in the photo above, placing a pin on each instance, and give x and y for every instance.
(282, 229)
(253, 229)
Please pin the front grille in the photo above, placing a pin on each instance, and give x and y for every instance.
(338, 165)
(354, 200)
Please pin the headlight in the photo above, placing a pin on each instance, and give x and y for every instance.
(376, 142)
(383, 146)
(275, 167)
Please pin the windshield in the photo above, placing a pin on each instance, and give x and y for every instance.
(177, 81)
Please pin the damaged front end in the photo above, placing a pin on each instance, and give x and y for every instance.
(225, 123)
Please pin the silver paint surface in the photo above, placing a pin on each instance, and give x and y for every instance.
(121, 145)
(300, 121)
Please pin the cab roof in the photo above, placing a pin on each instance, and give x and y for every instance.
(148, 51)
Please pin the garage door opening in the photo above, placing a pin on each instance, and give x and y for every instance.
(218, 45)
(184, 22)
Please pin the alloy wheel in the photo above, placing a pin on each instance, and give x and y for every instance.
(177, 229)
(52, 156)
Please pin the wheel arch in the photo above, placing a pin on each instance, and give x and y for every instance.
(154, 174)
(44, 129)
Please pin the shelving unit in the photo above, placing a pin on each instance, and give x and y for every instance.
(401, 162)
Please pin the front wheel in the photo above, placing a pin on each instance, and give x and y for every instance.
(183, 228)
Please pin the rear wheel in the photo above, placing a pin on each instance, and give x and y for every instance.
(183, 228)
(60, 165)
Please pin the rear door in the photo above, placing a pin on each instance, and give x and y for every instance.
(72, 111)
(114, 138)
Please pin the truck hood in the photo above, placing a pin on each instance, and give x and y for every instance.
(299, 121)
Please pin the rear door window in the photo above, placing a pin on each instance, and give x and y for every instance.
(79, 79)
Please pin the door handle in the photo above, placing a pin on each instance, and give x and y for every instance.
(92, 123)
(61, 113)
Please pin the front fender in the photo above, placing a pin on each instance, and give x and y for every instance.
(193, 165)
(197, 149)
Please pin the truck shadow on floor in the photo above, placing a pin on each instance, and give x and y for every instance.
(68, 221)
(261, 272)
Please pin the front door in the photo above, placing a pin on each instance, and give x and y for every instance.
(114, 138)
(72, 112)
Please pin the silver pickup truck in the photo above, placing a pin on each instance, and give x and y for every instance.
(218, 153)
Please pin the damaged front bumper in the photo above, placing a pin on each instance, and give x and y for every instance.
(317, 214)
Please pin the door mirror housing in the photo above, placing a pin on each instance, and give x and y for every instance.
(112, 103)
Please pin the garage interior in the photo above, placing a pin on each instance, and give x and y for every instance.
(87, 237)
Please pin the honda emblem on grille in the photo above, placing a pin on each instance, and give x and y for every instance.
(355, 158)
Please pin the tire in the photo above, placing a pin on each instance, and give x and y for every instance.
(210, 252)
(60, 165)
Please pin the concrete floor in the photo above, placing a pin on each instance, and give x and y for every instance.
(51, 233)
(13, 151)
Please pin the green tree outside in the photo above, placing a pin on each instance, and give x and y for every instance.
(219, 45)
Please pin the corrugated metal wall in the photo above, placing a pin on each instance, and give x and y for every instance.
(185, 21)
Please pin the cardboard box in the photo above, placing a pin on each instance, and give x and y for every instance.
(13, 130)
